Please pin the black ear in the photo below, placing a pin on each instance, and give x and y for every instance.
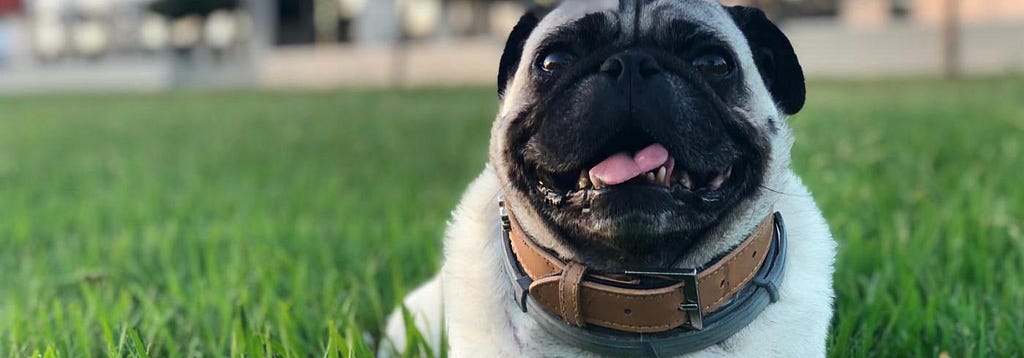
(514, 50)
(774, 56)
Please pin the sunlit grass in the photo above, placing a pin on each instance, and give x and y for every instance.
(235, 223)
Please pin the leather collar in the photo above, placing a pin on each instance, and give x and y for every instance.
(662, 302)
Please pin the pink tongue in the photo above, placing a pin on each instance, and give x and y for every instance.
(621, 167)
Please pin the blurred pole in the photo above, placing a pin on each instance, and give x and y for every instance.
(259, 35)
(951, 39)
(399, 51)
(263, 30)
(326, 14)
(444, 25)
(380, 24)
(481, 16)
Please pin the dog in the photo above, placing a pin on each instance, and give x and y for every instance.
(638, 199)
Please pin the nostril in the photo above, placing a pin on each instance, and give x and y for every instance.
(613, 66)
(649, 67)
(632, 64)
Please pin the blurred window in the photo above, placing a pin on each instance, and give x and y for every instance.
(295, 23)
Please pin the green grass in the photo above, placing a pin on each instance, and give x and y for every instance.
(249, 223)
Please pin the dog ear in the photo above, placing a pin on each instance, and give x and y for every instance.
(775, 58)
(514, 49)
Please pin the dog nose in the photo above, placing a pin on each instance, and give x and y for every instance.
(630, 64)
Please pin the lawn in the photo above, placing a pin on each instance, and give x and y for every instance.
(255, 223)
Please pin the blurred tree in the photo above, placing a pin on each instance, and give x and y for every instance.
(179, 8)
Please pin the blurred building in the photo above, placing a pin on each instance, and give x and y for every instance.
(67, 30)
(307, 21)
(375, 21)
(881, 13)
(835, 38)
(157, 44)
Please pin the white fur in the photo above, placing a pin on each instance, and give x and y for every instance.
(481, 317)
(483, 320)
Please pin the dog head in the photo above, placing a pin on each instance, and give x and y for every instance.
(633, 132)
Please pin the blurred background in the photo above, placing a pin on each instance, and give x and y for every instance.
(160, 44)
(191, 178)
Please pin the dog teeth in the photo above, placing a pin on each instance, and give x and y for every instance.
(685, 181)
(598, 184)
(660, 176)
(584, 181)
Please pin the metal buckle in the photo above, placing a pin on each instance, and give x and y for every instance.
(691, 297)
(503, 212)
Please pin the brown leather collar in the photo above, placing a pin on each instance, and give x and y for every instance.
(624, 301)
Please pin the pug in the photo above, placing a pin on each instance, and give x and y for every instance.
(638, 199)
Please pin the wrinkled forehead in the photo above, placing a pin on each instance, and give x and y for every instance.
(568, 12)
(633, 19)
(702, 13)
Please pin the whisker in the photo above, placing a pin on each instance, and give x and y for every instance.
(780, 192)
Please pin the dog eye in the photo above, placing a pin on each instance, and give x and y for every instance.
(556, 61)
(712, 65)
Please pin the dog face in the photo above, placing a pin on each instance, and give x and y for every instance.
(631, 129)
